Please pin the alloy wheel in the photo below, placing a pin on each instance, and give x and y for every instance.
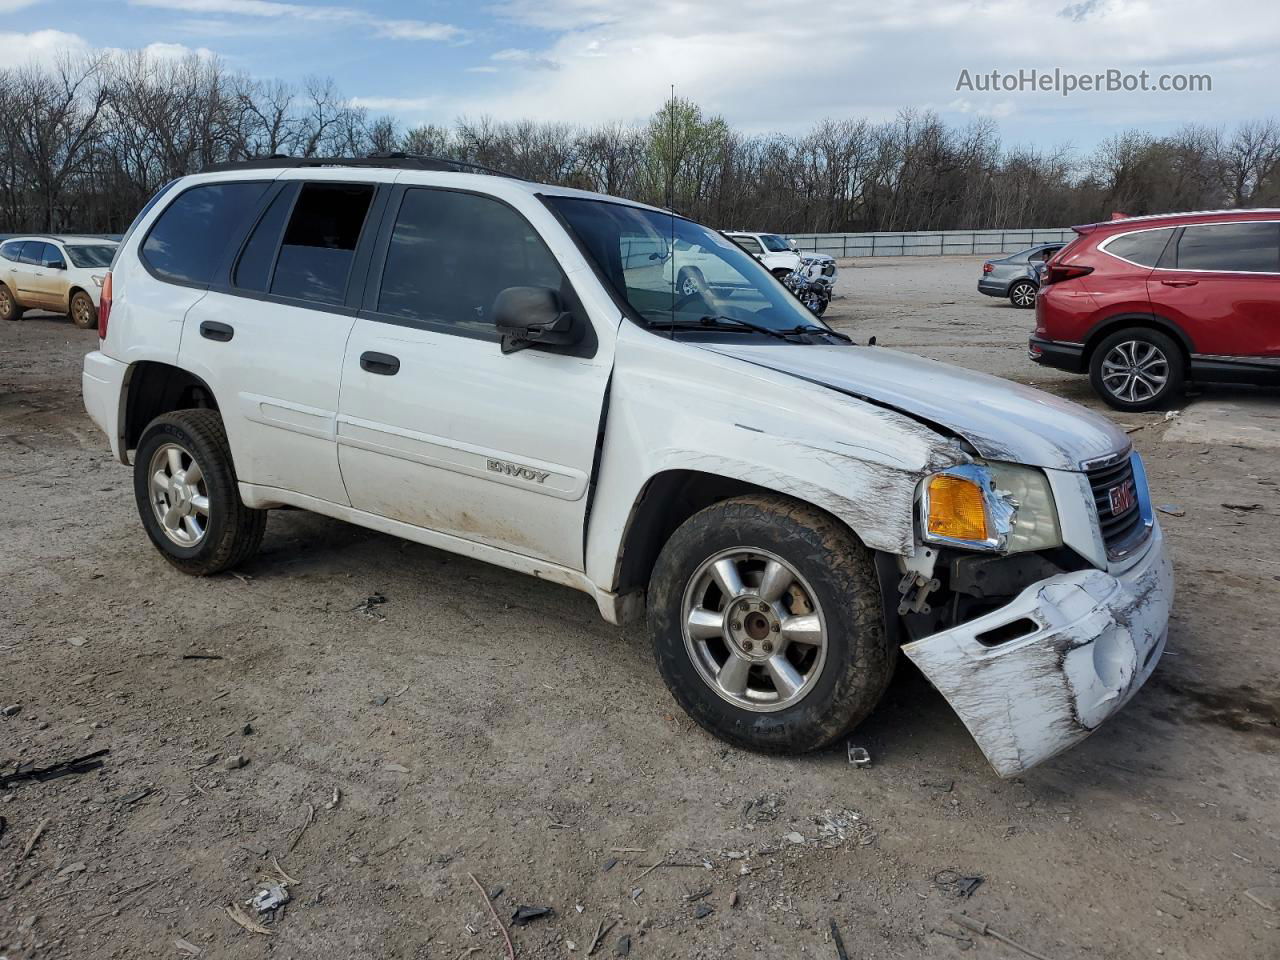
(1024, 295)
(179, 495)
(1135, 371)
(754, 630)
(82, 311)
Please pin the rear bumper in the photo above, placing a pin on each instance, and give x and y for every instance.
(993, 288)
(1061, 356)
(102, 383)
(1094, 639)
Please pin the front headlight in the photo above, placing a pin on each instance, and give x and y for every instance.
(993, 507)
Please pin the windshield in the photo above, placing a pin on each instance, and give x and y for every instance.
(95, 256)
(699, 275)
(774, 243)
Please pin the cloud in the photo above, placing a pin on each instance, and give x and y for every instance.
(1077, 12)
(177, 51)
(338, 16)
(41, 46)
(525, 58)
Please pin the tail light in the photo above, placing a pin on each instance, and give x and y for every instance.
(1056, 273)
(987, 267)
(104, 306)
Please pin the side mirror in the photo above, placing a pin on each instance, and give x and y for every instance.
(57, 265)
(533, 316)
(794, 245)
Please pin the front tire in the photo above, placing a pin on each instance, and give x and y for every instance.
(9, 309)
(766, 621)
(82, 311)
(1137, 369)
(1023, 294)
(185, 486)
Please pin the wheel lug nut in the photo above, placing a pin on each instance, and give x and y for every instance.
(747, 645)
(775, 628)
(735, 625)
(764, 608)
(767, 647)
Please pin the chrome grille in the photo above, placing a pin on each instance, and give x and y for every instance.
(1122, 529)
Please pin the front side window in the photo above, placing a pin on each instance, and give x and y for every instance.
(452, 253)
(320, 242)
(774, 244)
(52, 257)
(86, 255)
(1230, 247)
(690, 275)
(191, 235)
(1142, 248)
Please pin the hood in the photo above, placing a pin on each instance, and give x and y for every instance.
(1000, 419)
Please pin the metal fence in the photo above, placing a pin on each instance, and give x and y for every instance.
(929, 244)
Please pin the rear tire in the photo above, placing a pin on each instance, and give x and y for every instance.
(9, 309)
(690, 282)
(1023, 294)
(806, 592)
(1137, 369)
(82, 311)
(185, 486)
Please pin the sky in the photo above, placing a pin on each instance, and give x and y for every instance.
(764, 65)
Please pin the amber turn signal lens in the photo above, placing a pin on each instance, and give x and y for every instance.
(956, 509)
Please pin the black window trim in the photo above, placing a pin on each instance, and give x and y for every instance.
(1176, 239)
(359, 263)
(236, 232)
(586, 348)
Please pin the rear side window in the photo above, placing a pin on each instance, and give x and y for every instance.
(320, 242)
(1238, 247)
(32, 252)
(11, 250)
(253, 271)
(451, 254)
(1143, 248)
(192, 234)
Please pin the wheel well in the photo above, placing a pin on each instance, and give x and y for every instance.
(71, 295)
(667, 501)
(1141, 321)
(159, 388)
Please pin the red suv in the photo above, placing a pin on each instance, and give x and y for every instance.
(1145, 304)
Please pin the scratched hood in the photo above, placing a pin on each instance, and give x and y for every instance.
(1002, 420)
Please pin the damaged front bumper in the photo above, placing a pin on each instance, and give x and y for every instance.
(1084, 643)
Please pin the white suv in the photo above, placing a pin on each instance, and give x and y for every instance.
(62, 274)
(781, 256)
(505, 370)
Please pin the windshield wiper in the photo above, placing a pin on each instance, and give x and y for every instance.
(827, 331)
(721, 323)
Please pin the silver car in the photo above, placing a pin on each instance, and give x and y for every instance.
(1017, 276)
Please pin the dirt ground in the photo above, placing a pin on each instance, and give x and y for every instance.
(485, 723)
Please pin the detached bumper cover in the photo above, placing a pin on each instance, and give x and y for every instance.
(102, 383)
(1097, 639)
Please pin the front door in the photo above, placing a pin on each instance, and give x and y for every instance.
(1221, 284)
(436, 426)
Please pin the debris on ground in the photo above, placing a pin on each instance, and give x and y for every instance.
(526, 914)
(1268, 898)
(838, 940)
(237, 914)
(11, 710)
(763, 809)
(942, 786)
(64, 768)
(1243, 507)
(307, 820)
(187, 947)
(703, 911)
(506, 938)
(334, 800)
(234, 762)
(979, 927)
(859, 756)
(201, 656)
(957, 884)
(602, 931)
(270, 898)
(366, 606)
(1172, 509)
(35, 838)
(395, 768)
(609, 864)
(624, 946)
(794, 837)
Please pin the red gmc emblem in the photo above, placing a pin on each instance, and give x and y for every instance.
(1123, 497)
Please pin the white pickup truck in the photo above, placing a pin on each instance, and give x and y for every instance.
(508, 370)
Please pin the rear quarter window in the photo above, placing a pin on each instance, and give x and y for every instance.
(190, 237)
(1143, 247)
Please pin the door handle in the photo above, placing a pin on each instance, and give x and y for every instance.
(1179, 283)
(212, 330)
(382, 363)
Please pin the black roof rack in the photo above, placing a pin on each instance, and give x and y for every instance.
(406, 161)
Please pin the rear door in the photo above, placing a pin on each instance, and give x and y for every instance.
(439, 428)
(51, 279)
(1220, 282)
(28, 275)
(269, 335)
